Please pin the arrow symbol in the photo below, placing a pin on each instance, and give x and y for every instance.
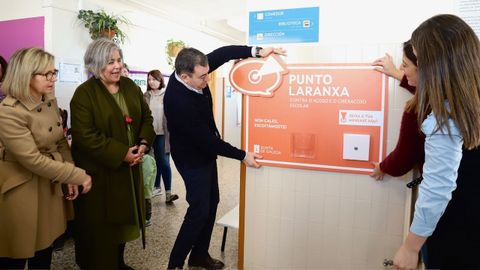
(272, 65)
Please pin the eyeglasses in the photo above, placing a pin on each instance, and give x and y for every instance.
(50, 75)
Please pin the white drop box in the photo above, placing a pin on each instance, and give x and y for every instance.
(356, 146)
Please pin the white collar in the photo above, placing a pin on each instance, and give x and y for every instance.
(188, 86)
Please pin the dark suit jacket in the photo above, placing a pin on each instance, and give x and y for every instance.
(194, 138)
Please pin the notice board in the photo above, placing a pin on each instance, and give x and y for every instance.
(315, 116)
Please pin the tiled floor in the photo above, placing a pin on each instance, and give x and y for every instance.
(166, 223)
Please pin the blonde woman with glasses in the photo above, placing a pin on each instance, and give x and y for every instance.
(35, 161)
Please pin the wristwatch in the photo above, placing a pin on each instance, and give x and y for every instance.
(257, 52)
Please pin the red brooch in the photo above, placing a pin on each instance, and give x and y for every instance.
(128, 120)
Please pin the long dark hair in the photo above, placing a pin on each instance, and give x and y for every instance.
(412, 103)
(158, 76)
(408, 51)
(448, 53)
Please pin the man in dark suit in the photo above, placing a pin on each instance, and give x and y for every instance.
(195, 143)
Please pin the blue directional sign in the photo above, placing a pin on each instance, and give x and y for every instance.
(296, 25)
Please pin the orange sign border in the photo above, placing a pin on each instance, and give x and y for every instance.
(310, 166)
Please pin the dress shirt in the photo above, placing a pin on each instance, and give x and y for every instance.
(188, 86)
(443, 153)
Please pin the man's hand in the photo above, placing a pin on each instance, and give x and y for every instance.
(250, 160)
(267, 51)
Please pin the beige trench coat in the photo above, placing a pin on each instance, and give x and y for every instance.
(33, 149)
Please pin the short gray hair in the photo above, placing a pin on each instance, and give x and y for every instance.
(23, 64)
(98, 55)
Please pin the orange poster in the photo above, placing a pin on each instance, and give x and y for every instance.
(318, 116)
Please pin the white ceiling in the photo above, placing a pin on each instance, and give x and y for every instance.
(226, 18)
(210, 9)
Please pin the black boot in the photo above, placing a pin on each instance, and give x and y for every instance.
(121, 262)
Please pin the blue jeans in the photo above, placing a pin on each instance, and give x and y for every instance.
(163, 163)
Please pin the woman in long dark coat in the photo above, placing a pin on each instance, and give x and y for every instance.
(111, 130)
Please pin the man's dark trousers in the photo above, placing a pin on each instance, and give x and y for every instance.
(201, 184)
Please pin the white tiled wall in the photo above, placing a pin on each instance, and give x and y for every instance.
(303, 219)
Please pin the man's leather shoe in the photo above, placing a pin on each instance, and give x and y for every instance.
(206, 262)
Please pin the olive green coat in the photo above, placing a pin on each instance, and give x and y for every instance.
(113, 211)
(33, 149)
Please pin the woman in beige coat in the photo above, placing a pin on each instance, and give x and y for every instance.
(35, 161)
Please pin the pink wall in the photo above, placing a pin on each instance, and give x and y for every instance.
(21, 33)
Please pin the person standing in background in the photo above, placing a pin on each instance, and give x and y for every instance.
(196, 143)
(34, 162)
(125, 70)
(111, 131)
(3, 70)
(447, 210)
(161, 146)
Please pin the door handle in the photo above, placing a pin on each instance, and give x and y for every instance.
(387, 263)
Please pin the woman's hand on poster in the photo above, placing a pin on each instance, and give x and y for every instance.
(387, 67)
(377, 172)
